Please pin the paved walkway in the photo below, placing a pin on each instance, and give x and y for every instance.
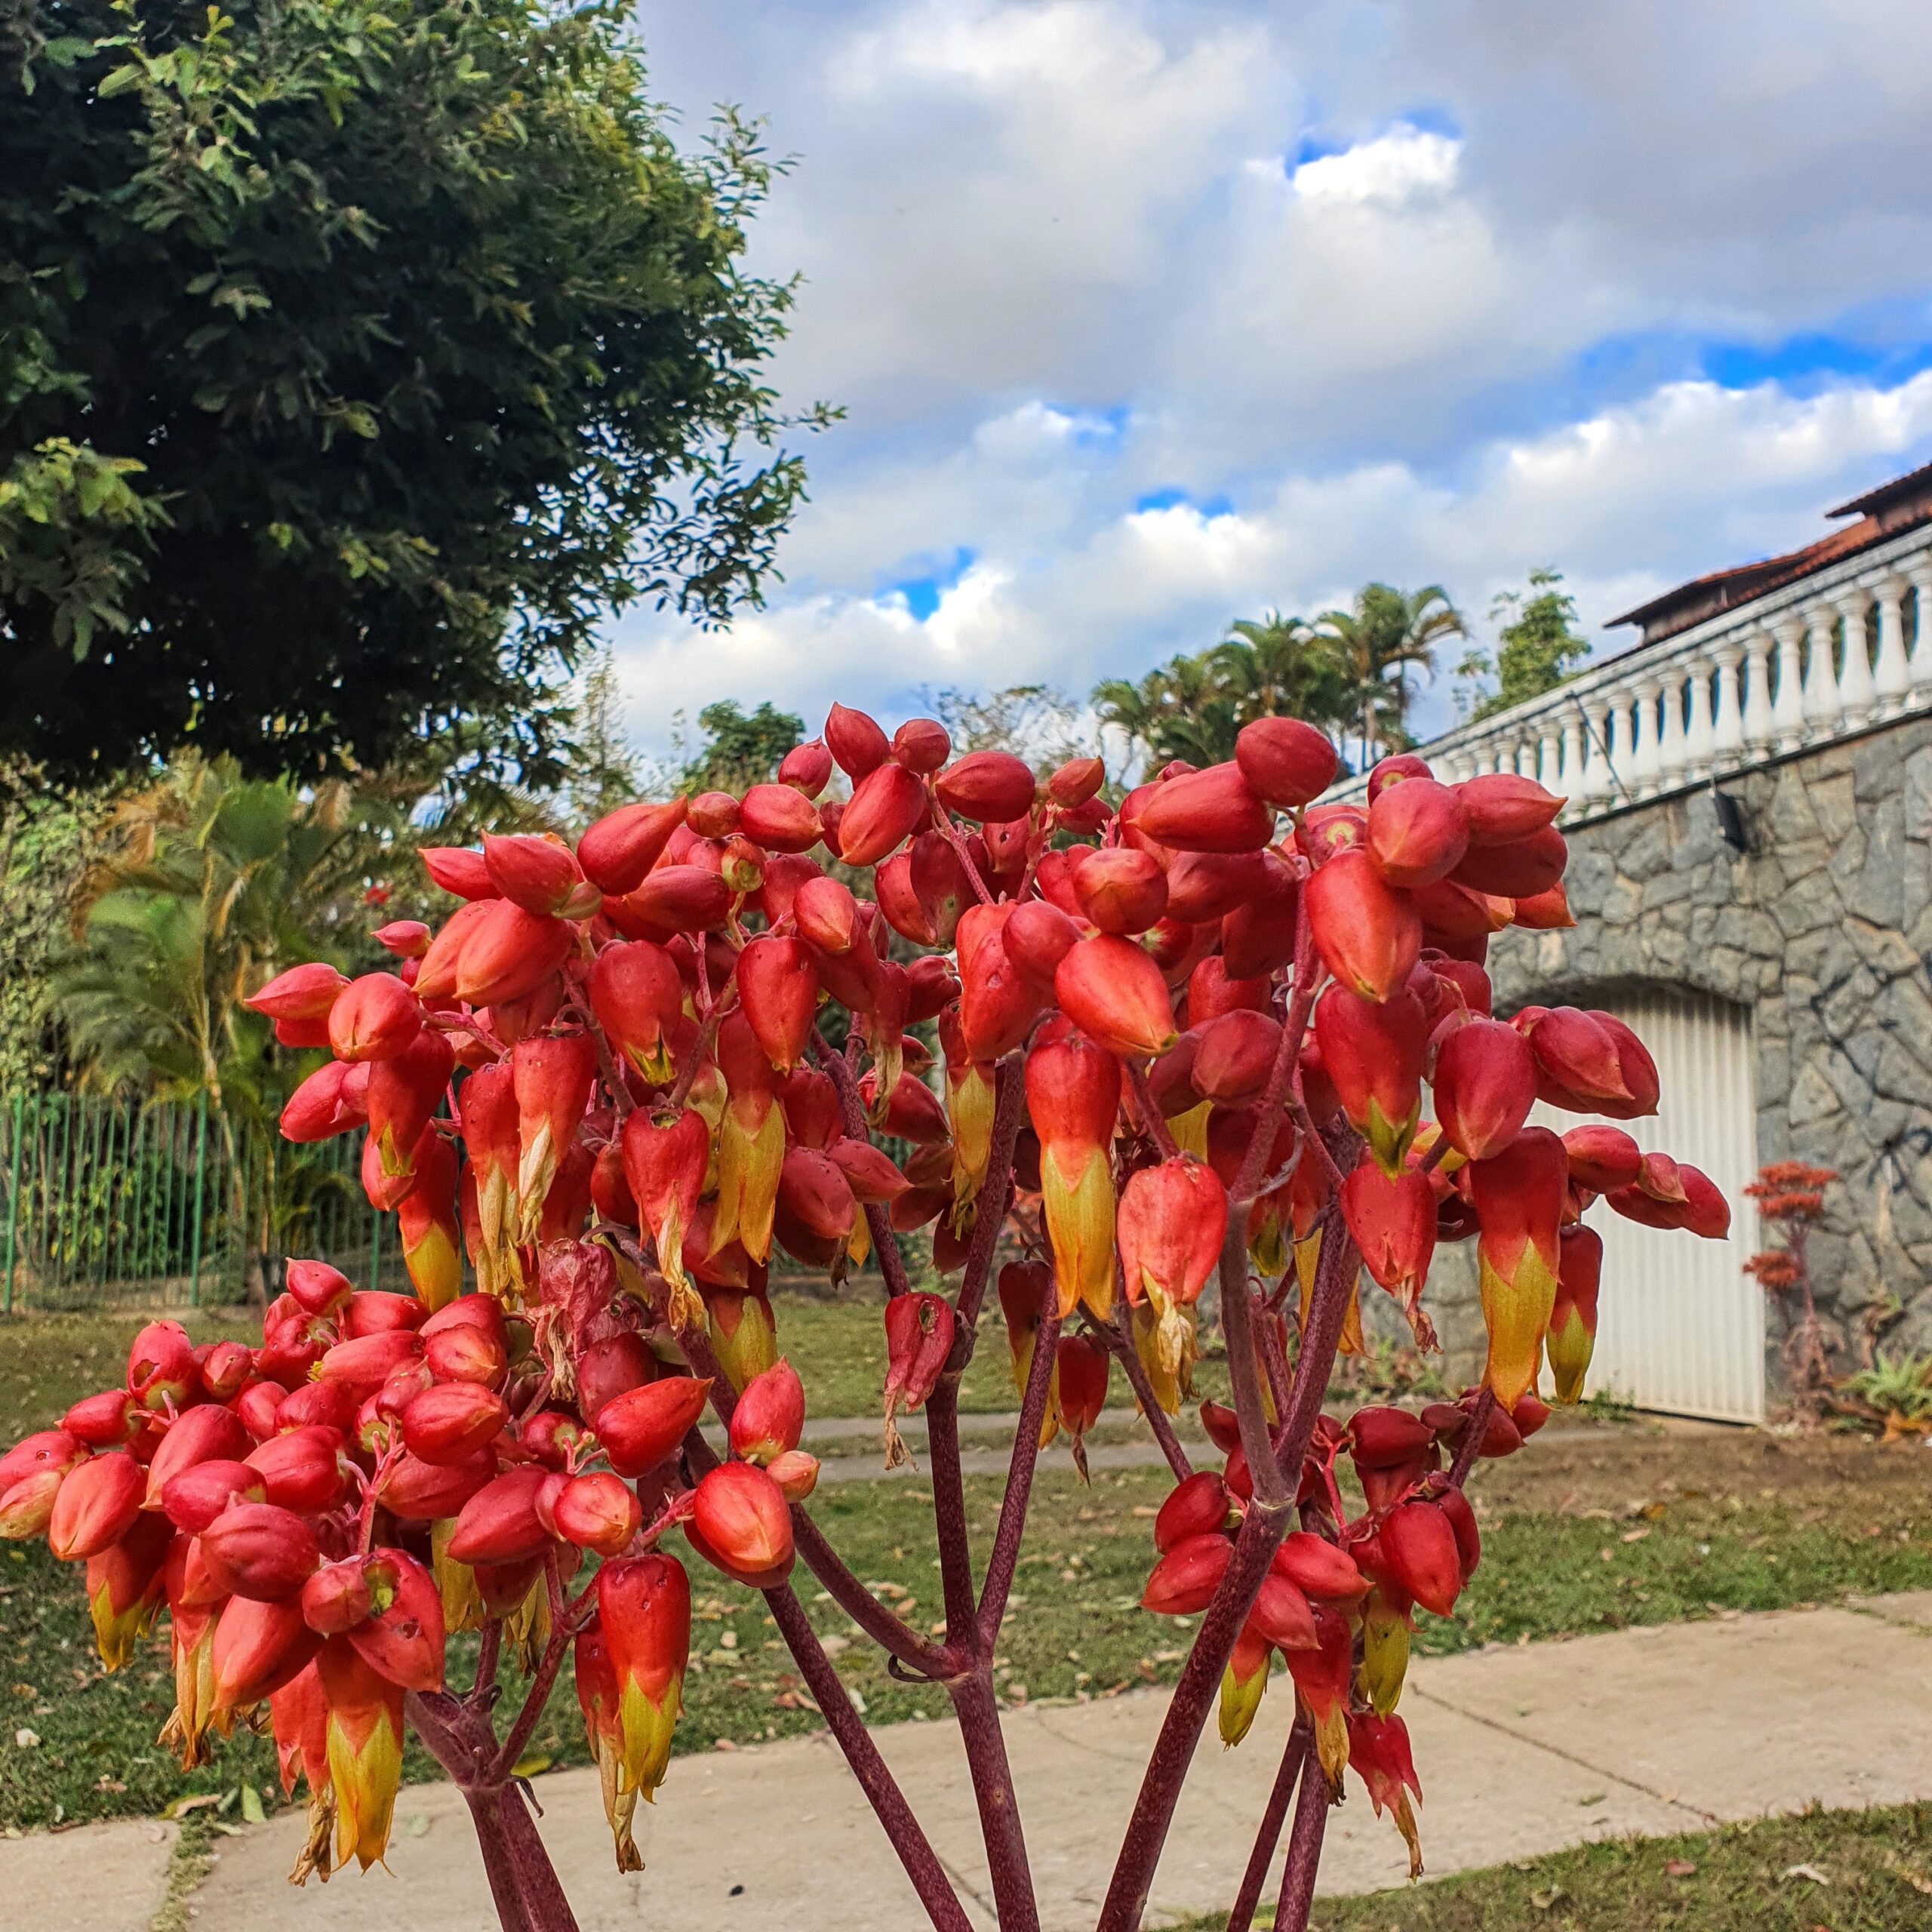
(1522, 1751)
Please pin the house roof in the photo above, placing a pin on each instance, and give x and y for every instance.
(1899, 505)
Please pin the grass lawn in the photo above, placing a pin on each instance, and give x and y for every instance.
(1822, 1871)
(1614, 1526)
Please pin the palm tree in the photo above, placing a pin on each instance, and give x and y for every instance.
(1282, 667)
(1385, 630)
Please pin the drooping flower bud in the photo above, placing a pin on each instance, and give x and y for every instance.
(125, 1589)
(161, 1372)
(1115, 993)
(1418, 832)
(744, 1334)
(770, 1416)
(1288, 763)
(459, 869)
(373, 1018)
(1172, 1220)
(97, 1503)
(1418, 1545)
(638, 999)
(1484, 1085)
(1322, 1677)
(741, 1525)
(623, 845)
(1185, 1580)
(987, 787)
(778, 988)
(642, 1428)
(1391, 1219)
(1518, 1196)
(1367, 932)
(551, 1077)
(1073, 1096)
(665, 1164)
(1025, 1289)
(918, 1338)
(1081, 1370)
(302, 992)
(487, 1109)
(1379, 1750)
(1372, 1052)
(600, 1698)
(1503, 809)
(886, 807)
(365, 1748)
(1243, 1684)
(1213, 810)
(260, 1550)
(427, 1222)
(1602, 1158)
(1572, 1318)
(204, 1433)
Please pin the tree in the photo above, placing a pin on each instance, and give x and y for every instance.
(355, 359)
(604, 769)
(1035, 722)
(1193, 707)
(1537, 646)
(740, 747)
(1384, 630)
(47, 843)
(1094, 1238)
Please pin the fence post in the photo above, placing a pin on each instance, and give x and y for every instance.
(13, 1199)
(201, 1170)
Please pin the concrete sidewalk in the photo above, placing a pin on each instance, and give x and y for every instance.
(1521, 1751)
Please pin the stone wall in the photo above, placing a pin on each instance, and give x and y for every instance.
(1822, 928)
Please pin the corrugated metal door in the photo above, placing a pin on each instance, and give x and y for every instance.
(1681, 1326)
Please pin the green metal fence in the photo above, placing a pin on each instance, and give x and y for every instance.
(111, 1202)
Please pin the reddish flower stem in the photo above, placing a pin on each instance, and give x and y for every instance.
(1260, 1535)
(1304, 1859)
(1272, 1490)
(882, 1792)
(1474, 1430)
(1151, 1116)
(878, 1218)
(1301, 1735)
(956, 839)
(996, 1196)
(1120, 1345)
(1012, 1525)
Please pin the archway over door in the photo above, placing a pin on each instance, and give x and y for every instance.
(1681, 1326)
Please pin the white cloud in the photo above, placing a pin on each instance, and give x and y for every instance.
(1058, 258)
(1394, 168)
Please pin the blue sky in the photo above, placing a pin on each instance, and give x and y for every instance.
(1145, 317)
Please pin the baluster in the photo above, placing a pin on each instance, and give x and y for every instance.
(1673, 748)
(1699, 731)
(1549, 758)
(1622, 751)
(1569, 770)
(1821, 682)
(1599, 749)
(1857, 699)
(1757, 726)
(1921, 662)
(1891, 681)
(1728, 723)
(1525, 762)
(1643, 780)
(1788, 713)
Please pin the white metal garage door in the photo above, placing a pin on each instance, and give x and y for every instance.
(1681, 1326)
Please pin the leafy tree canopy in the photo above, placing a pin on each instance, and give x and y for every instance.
(355, 356)
(1193, 707)
(1537, 647)
(740, 747)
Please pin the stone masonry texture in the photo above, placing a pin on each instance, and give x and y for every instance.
(1822, 930)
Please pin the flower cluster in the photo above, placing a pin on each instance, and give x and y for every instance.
(1183, 1039)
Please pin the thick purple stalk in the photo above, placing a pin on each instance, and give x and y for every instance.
(1260, 1535)
(977, 1710)
(1473, 1432)
(915, 1852)
(1304, 1859)
(955, 1549)
(1294, 1753)
(523, 1884)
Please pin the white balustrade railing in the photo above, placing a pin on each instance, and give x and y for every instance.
(1823, 658)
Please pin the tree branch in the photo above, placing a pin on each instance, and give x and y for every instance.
(977, 1710)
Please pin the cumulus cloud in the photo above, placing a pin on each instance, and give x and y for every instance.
(1148, 314)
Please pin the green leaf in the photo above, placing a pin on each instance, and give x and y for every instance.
(120, 80)
(251, 1805)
